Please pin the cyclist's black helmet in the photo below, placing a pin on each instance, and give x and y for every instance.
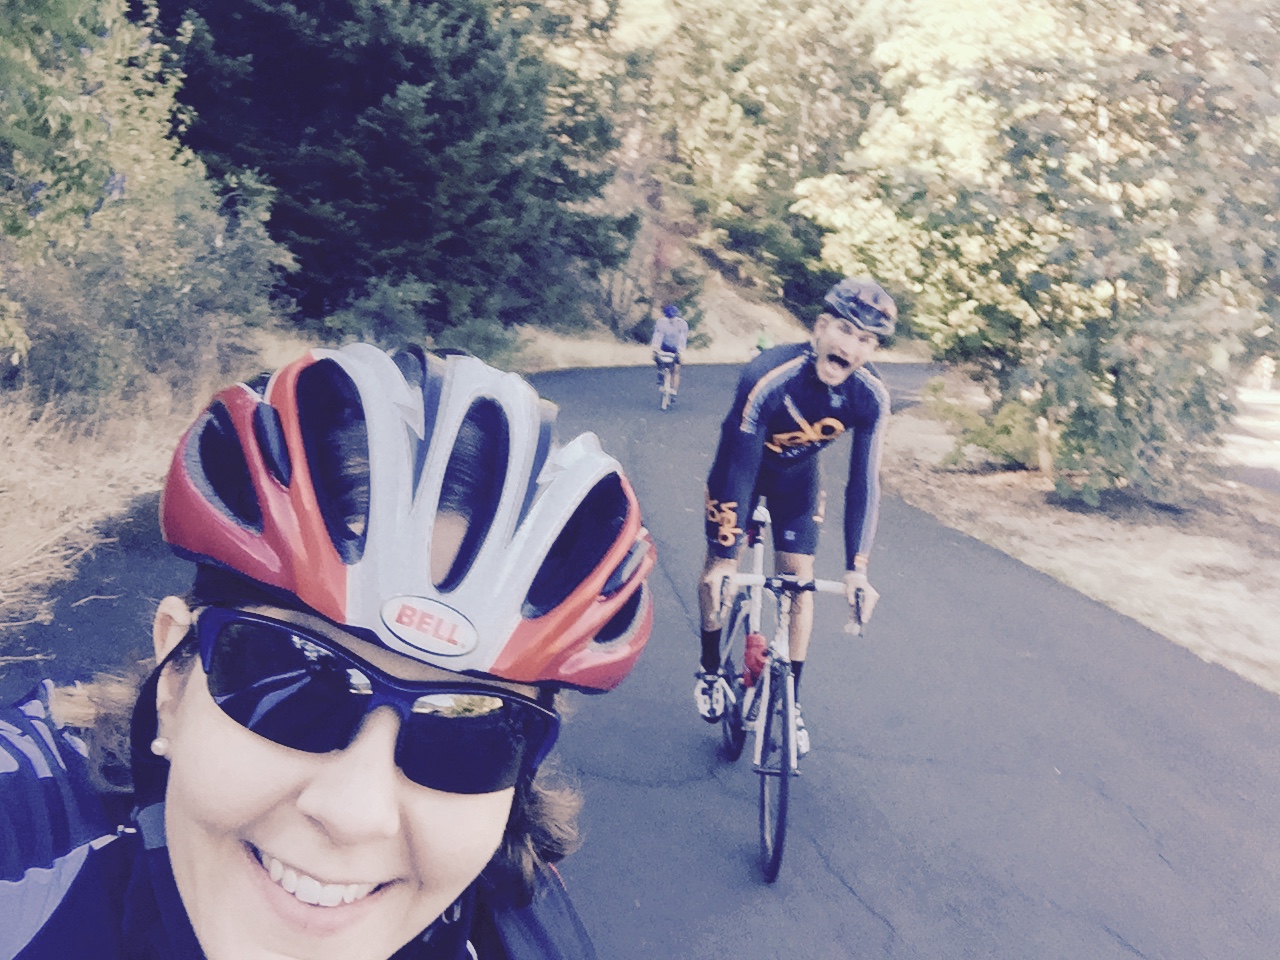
(670, 310)
(864, 304)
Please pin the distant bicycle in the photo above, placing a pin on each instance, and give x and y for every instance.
(761, 696)
(666, 362)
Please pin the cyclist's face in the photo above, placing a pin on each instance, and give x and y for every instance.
(841, 348)
(246, 819)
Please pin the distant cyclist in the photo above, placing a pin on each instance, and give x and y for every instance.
(670, 335)
(792, 401)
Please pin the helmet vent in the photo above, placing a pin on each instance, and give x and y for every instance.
(223, 468)
(622, 623)
(580, 546)
(470, 492)
(336, 441)
(270, 436)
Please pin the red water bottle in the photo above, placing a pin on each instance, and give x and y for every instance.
(753, 658)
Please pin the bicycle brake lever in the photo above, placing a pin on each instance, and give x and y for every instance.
(854, 625)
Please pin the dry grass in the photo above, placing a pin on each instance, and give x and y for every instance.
(59, 479)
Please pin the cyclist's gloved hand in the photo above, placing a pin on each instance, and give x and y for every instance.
(855, 580)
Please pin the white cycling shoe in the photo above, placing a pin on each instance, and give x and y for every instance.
(710, 696)
(802, 735)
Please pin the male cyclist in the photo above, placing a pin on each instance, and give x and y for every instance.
(670, 335)
(791, 402)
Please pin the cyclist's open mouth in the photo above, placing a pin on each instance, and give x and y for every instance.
(834, 368)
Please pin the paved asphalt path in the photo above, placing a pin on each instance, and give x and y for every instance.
(1002, 769)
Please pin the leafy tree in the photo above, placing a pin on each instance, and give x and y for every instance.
(1102, 250)
(742, 100)
(50, 124)
(427, 147)
(143, 271)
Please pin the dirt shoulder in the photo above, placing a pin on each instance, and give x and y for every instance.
(1207, 578)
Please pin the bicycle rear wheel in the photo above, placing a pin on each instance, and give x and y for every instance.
(777, 749)
(664, 392)
(732, 730)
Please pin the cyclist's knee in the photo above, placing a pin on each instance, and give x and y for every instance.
(798, 564)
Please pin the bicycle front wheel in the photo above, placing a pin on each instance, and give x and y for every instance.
(777, 747)
(733, 732)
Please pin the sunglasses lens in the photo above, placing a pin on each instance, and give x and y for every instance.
(291, 689)
(286, 688)
(471, 743)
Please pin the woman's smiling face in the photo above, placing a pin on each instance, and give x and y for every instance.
(283, 854)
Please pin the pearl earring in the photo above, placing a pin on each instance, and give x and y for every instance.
(160, 746)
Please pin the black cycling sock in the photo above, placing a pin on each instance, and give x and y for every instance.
(797, 667)
(710, 650)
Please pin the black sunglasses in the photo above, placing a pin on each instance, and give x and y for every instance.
(303, 691)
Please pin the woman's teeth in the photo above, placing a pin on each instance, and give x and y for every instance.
(310, 890)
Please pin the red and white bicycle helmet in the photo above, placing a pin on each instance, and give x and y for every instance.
(465, 537)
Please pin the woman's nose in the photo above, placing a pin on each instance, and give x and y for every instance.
(355, 793)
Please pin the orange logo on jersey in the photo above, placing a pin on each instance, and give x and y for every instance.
(826, 429)
(725, 515)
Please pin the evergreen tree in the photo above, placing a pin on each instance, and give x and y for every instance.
(423, 181)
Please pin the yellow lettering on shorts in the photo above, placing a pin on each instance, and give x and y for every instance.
(725, 516)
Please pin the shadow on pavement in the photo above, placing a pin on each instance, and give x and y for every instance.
(102, 617)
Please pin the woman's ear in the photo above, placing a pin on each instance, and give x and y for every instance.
(173, 620)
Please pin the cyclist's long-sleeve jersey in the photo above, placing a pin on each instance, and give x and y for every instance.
(670, 333)
(72, 886)
(782, 416)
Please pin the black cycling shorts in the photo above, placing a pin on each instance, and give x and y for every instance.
(792, 496)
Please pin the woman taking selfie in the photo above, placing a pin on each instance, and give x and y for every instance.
(397, 568)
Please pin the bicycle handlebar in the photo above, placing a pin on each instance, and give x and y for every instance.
(785, 583)
(780, 583)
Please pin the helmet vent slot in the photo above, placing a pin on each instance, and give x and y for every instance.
(336, 441)
(623, 622)
(270, 436)
(580, 547)
(223, 467)
(470, 492)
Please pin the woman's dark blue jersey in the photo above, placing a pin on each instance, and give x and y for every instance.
(73, 889)
(782, 416)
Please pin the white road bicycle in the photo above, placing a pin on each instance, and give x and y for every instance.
(666, 362)
(764, 703)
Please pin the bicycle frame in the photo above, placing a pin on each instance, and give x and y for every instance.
(666, 362)
(760, 707)
(782, 588)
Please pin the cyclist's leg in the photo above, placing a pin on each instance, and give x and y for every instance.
(711, 689)
(802, 606)
(710, 584)
(794, 500)
(795, 503)
(675, 375)
(723, 524)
